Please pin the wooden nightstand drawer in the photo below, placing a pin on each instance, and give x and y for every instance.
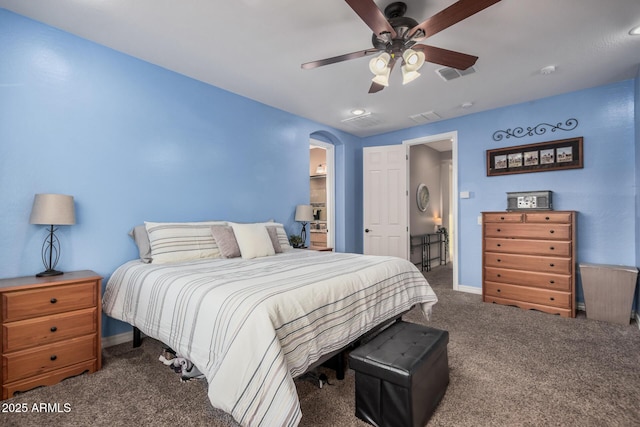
(26, 304)
(550, 217)
(27, 363)
(48, 329)
(539, 231)
(529, 263)
(16, 387)
(533, 247)
(531, 295)
(503, 217)
(558, 282)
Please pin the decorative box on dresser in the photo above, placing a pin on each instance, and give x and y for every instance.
(50, 329)
(529, 259)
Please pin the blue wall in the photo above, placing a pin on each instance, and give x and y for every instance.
(133, 142)
(637, 181)
(603, 192)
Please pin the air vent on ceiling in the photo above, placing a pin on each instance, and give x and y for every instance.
(448, 73)
(363, 121)
(425, 117)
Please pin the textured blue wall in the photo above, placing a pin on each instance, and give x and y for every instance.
(133, 142)
(603, 192)
(637, 181)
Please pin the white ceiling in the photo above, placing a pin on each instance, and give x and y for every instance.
(254, 48)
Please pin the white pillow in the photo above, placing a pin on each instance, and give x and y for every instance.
(253, 240)
(181, 241)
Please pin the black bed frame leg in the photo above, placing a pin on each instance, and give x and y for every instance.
(340, 365)
(137, 340)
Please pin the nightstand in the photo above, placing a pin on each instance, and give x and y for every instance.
(50, 329)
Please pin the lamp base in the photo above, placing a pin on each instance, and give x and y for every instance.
(49, 272)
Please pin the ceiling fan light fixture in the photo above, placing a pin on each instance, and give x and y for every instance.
(382, 79)
(413, 60)
(380, 64)
(409, 76)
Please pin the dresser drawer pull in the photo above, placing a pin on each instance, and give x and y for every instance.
(499, 260)
(547, 218)
(552, 265)
(498, 230)
(552, 231)
(53, 300)
(552, 281)
(499, 275)
(53, 329)
(552, 298)
(498, 245)
(501, 218)
(498, 290)
(552, 248)
(53, 357)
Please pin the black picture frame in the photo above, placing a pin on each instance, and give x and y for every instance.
(540, 157)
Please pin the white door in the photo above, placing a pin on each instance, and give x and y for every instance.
(385, 201)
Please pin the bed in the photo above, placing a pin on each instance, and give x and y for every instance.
(253, 325)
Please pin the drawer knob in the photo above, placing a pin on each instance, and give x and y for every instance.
(501, 218)
(499, 275)
(547, 218)
(552, 248)
(53, 357)
(552, 265)
(499, 260)
(53, 300)
(552, 299)
(498, 245)
(498, 230)
(551, 231)
(498, 290)
(552, 281)
(53, 329)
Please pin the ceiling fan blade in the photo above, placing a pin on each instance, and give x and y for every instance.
(340, 58)
(448, 58)
(375, 87)
(372, 16)
(450, 16)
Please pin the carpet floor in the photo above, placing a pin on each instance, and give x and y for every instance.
(508, 367)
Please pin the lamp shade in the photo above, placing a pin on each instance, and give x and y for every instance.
(304, 213)
(53, 209)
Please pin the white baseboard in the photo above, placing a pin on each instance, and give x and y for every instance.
(469, 289)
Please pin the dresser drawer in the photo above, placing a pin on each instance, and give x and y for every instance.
(558, 282)
(44, 330)
(503, 217)
(549, 217)
(19, 305)
(16, 387)
(531, 295)
(528, 262)
(535, 231)
(27, 363)
(523, 246)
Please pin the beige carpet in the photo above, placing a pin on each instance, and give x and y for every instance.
(509, 367)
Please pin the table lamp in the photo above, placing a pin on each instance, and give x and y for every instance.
(52, 210)
(304, 214)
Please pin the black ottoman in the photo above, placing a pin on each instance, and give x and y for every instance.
(401, 375)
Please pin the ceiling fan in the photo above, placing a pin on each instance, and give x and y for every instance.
(396, 36)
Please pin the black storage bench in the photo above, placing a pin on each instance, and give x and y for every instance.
(401, 375)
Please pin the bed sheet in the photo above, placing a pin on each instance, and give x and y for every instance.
(251, 326)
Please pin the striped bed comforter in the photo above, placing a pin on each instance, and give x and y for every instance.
(251, 326)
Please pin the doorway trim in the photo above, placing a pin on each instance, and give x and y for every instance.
(426, 140)
(331, 191)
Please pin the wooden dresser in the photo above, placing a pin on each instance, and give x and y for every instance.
(50, 329)
(528, 260)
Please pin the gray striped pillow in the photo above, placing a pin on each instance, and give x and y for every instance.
(182, 241)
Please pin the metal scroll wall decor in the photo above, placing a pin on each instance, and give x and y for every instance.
(539, 129)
